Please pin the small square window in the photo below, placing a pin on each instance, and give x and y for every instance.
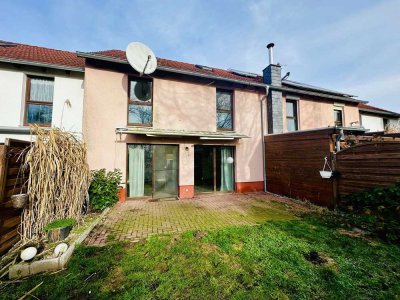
(39, 100)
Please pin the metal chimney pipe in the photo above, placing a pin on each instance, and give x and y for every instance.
(270, 47)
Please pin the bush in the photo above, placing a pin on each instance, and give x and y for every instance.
(60, 223)
(103, 191)
(377, 210)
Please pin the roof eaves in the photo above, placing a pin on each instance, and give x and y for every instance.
(174, 133)
(40, 64)
(379, 112)
(304, 86)
(170, 69)
(317, 94)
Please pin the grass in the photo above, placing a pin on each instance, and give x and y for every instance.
(242, 262)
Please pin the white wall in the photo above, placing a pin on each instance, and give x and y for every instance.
(373, 123)
(12, 93)
(12, 99)
(68, 89)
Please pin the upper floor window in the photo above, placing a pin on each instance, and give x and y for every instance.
(338, 116)
(140, 104)
(224, 109)
(291, 116)
(39, 100)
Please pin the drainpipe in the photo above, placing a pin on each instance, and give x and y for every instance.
(262, 136)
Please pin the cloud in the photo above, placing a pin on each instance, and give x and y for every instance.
(380, 91)
(343, 45)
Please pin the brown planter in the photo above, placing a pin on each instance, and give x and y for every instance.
(58, 234)
(19, 201)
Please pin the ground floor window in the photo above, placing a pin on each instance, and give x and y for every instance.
(213, 169)
(152, 170)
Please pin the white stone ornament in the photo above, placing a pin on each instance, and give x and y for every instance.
(28, 253)
(60, 249)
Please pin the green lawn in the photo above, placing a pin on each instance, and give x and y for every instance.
(244, 262)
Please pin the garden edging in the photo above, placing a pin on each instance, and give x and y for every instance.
(24, 269)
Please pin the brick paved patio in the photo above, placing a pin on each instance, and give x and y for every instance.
(138, 219)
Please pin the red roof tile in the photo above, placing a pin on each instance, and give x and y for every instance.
(184, 66)
(374, 108)
(37, 54)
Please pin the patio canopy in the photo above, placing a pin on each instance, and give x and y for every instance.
(219, 135)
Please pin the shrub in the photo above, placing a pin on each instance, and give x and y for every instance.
(103, 191)
(60, 223)
(377, 210)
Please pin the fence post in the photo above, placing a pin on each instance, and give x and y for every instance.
(3, 168)
(335, 181)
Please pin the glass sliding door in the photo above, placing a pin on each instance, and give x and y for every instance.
(203, 169)
(165, 168)
(152, 171)
(225, 163)
(140, 172)
(214, 169)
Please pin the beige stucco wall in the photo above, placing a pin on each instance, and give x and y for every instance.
(105, 108)
(183, 106)
(176, 105)
(351, 115)
(314, 113)
(249, 158)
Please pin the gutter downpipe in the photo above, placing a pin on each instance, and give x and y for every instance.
(262, 137)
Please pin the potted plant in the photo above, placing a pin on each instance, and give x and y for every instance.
(59, 229)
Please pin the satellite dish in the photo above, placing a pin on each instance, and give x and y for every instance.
(141, 58)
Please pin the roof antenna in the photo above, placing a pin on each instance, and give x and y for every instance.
(286, 76)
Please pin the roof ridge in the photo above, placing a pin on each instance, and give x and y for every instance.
(101, 52)
(22, 44)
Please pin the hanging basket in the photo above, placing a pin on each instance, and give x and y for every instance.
(326, 174)
(19, 201)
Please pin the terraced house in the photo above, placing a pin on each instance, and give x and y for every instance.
(183, 130)
(39, 86)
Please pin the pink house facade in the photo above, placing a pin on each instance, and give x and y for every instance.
(178, 148)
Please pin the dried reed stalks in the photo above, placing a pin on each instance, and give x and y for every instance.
(58, 181)
(393, 127)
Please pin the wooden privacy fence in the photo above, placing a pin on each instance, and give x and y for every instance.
(293, 162)
(11, 183)
(374, 164)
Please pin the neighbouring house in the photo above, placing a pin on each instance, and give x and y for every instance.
(309, 107)
(377, 119)
(39, 86)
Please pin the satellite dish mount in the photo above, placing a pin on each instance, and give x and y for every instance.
(141, 58)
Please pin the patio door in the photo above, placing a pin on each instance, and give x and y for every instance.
(165, 171)
(152, 170)
(213, 169)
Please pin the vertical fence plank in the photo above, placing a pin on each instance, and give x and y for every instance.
(10, 184)
(368, 165)
(293, 162)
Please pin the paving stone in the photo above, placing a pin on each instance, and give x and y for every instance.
(137, 219)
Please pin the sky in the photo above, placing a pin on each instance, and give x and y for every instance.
(352, 46)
